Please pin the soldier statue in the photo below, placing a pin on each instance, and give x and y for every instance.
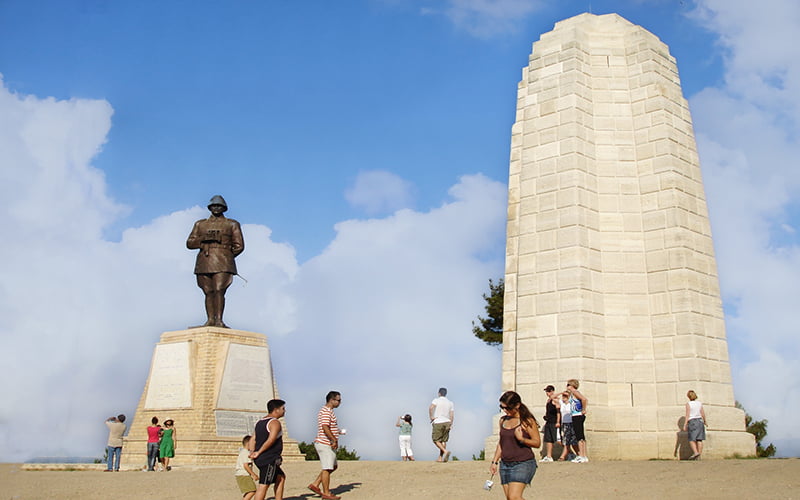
(219, 240)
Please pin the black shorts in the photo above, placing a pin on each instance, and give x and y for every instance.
(550, 432)
(269, 471)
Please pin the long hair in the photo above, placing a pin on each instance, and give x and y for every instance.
(512, 399)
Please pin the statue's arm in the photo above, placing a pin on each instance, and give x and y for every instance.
(237, 240)
(194, 240)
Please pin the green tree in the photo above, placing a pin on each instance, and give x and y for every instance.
(342, 453)
(490, 329)
(308, 450)
(758, 428)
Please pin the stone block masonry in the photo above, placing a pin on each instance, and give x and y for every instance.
(215, 384)
(610, 271)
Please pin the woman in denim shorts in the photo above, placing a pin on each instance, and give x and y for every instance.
(519, 432)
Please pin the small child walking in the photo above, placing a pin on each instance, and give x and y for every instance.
(246, 477)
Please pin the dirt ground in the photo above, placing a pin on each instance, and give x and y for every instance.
(724, 479)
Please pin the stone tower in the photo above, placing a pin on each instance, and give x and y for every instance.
(610, 270)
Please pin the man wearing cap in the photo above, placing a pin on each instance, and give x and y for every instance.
(219, 240)
(552, 422)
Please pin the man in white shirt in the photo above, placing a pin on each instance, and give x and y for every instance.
(441, 414)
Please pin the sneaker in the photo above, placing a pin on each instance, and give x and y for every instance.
(546, 459)
(579, 460)
(584, 460)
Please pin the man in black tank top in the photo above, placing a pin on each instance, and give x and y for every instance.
(268, 449)
(552, 419)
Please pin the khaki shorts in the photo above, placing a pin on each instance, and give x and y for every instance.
(441, 432)
(327, 457)
(246, 484)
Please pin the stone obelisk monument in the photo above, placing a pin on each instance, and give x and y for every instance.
(610, 271)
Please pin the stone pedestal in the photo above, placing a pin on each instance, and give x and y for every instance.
(215, 384)
(610, 271)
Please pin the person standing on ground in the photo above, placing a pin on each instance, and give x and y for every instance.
(268, 449)
(568, 440)
(116, 429)
(326, 444)
(519, 432)
(695, 425)
(552, 421)
(169, 441)
(578, 404)
(404, 422)
(153, 437)
(441, 413)
(245, 476)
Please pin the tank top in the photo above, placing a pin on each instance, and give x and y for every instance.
(577, 406)
(262, 435)
(551, 412)
(511, 449)
(694, 409)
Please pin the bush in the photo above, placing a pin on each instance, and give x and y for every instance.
(342, 453)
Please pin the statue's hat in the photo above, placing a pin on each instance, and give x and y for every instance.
(217, 200)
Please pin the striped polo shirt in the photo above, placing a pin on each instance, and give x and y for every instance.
(326, 417)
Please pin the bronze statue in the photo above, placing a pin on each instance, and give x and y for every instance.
(220, 241)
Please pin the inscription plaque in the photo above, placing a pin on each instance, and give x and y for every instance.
(247, 379)
(170, 383)
(236, 423)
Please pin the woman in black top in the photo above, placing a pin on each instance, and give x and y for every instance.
(519, 432)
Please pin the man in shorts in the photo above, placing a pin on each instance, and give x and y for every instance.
(326, 444)
(552, 421)
(268, 449)
(441, 413)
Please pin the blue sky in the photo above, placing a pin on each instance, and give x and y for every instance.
(364, 147)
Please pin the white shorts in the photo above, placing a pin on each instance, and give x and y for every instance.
(327, 457)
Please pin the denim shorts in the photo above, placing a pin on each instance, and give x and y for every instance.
(517, 472)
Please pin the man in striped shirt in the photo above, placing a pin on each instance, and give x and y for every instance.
(326, 444)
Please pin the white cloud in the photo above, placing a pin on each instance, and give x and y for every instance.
(379, 192)
(486, 18)
(748, 139)
(80, 315)
(382, 314)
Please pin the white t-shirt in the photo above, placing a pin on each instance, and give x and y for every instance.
(566, 412)
(442, 409)
(243, 458)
